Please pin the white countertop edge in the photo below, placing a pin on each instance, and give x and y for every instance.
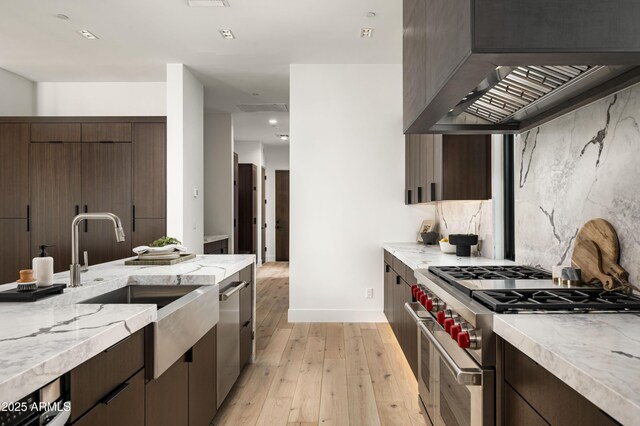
(214, 238)
(615, 404)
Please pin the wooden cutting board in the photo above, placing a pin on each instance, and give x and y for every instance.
(587, 256)
(605, 237)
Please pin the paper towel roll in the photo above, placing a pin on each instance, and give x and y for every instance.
(44, 268)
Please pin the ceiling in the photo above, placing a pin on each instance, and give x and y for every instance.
(138, 38)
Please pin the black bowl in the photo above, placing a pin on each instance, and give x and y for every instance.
(463, 243)
(429, 238)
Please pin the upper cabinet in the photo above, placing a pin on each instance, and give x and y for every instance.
(447, 167)
(505, 66)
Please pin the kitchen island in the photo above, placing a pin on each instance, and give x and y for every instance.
(40, 341)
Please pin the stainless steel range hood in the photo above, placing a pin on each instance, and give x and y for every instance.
(506, 66)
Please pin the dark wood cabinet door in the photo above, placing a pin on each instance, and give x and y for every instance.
(106, 187)
(246, 343)
(14, 170)
(282, 215)
(410, 332)
(236, 193)
(146, 231)
(14, 254)
(388, 293)
(106, 132)
(149, 170)
(247, 209)
(55, 132)
(256, 226)
(202, 380)
(397, 305)
(167, 397)
(466, 167)
(414, 69)
(55, 198)
(518, 412)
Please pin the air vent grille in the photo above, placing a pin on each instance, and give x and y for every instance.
(263, 107)
(522, 87)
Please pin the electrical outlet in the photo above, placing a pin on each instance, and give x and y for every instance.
(369, 293)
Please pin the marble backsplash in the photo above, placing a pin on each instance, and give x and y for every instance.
(580, 166)
(462, 217)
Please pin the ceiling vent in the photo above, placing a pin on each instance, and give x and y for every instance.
(208, 3)
(264, 108)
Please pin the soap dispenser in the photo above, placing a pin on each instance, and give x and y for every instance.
(43, 267)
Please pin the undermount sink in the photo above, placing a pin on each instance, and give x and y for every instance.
(160, 295)
(185, 314)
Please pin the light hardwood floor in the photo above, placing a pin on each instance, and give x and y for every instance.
(319, 373)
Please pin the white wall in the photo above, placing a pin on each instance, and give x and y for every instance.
(218, 175)
(347, 188)
(185, 129)
(102, 99)
(252, 152)
(17, 95)
(275, 158)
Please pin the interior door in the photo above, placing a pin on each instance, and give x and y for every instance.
(55, 198)
(264, 215)
(236, 246)
(282, 215)
(106, 187)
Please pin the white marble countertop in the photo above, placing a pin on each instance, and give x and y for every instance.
(419, 256)
(214, 238)
(39, 341)
(598, 355)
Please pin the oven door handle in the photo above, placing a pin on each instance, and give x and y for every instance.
(464, 376)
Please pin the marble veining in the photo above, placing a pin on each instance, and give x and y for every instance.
(596, 354)
(419, 256)
(575, 168)
(42, 340)
(463, 217)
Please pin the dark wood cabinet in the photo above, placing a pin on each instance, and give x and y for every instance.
(167, 397)
(202, 380)
(145, 231)
(14, 170)
(106, 187)
(217, 247)
(55, 198)
(398, 279)
(414, 52)
(532, 395)
(106, 132)
(15, 253)
(56, 132)
(447, 167)
(149, 170)
(247, 209)
(236, 202)
(246, 316)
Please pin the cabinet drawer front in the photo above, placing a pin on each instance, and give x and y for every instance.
(106, 132)
(123, 407)
(388, 257)
(96, 378)
(245, 304)
(246, 345)
(399, 267)
(55, 132)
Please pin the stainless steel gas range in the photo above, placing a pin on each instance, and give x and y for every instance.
(454, 307)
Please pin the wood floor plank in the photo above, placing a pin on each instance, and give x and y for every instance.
(362, 402)
(286, 378)
(368, 326)
(355, 356)
(306, 399)
(274, 412)
(318, 329)
(382, 374)
(273, 352)
(334, 400)
(352, 329)
(393, 413)
(334, 348)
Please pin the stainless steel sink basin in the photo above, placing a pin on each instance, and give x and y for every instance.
(160, 295)
(185, 314)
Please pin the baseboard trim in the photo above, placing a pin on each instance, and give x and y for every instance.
(335, 315)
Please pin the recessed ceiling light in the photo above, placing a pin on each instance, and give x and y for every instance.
(256, 94)
(88, 34)
(208, 3)
(273, 121)
(62, 16)
(366, 32)
(284, 137)
(227, 34)
(371, 14)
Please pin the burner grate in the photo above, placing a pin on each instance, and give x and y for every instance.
(592, 299)
(456, 273)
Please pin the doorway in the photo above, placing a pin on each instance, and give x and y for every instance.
(282, 215)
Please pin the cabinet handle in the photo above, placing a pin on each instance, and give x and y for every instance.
(387, 268)
(409, 196)
(433, 191)
(188, 356)
(419, 194)
(133, 215)
(397, 279)
(246, 323)
(55, 141)
(113, 395)
(77, 210)
(28, 217)
(86, 222)
(106, 141)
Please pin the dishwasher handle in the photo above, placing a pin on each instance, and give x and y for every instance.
(235, 287)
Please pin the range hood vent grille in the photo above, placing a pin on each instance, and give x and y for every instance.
(521, 88)
(263, 107)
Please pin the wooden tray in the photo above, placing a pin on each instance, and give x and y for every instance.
(14, 295)
(138, 262)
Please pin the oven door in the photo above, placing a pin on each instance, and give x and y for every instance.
(454, 390)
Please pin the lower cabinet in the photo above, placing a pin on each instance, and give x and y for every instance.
(203, 398)
(531, 395)
(246, 317)
(217, 247)
(398, 279)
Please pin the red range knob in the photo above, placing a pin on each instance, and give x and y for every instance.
(429, 304)
(447, 324)
(464, 340)
(441, 316)
(414, 288)
(419, 294)
(455, 331)
(423, 299)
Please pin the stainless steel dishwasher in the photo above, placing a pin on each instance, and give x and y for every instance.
(229, 335)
